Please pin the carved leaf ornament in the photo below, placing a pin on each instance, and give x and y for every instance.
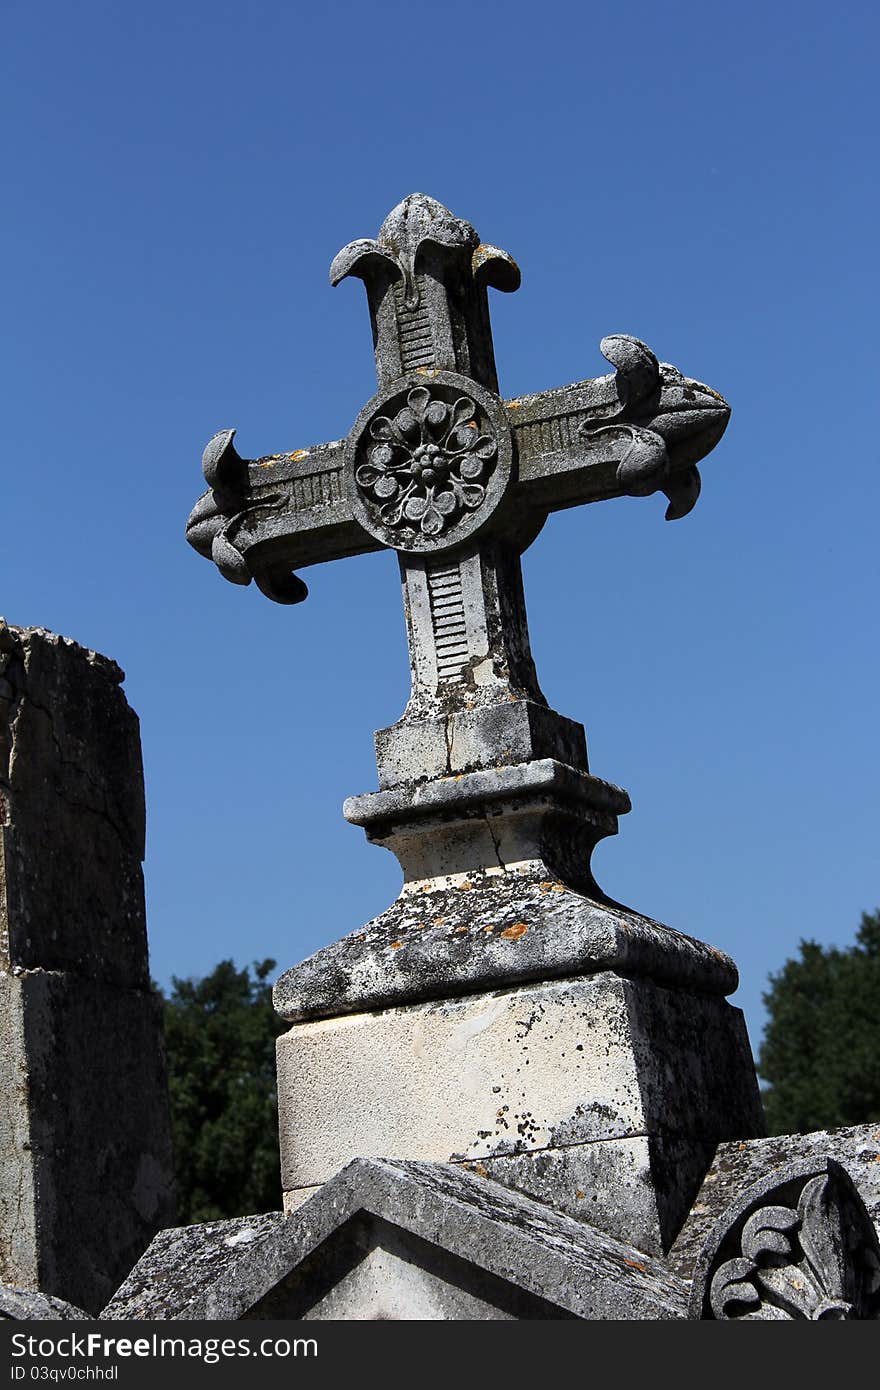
(427, 462)
(814, 1256)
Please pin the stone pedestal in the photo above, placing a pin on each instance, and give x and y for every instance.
(85, 1157)
(601, 1095)
(504, 1016)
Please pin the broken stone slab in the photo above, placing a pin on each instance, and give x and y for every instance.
(399, 1240)
(86, 1172)
(737, 1165)
(492, 930)
(521, 1072)
(72, 824)
(27, 1305)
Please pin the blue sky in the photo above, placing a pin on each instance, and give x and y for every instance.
(178, 178)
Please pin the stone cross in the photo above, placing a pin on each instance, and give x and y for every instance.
(503, 1012)
(459, 482)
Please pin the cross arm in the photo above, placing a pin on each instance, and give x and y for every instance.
(638, 430)
(261, 518)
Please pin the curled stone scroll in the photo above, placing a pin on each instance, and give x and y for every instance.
(799, 1245)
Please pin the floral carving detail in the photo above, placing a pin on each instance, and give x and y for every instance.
(817, 1260)
(428, 464)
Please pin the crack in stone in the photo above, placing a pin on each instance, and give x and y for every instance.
(101, 810)
(559, 1146)
(448, 734)
(495, 842)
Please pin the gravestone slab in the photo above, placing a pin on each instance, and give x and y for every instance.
(85, 1149)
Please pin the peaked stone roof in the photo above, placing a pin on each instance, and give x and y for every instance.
(228, 1269)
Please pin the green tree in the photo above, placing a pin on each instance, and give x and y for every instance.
(821, 1050)
(220, 1036)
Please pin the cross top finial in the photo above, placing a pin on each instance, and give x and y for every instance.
(426, 275)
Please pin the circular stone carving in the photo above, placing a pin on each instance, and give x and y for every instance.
(427, 461)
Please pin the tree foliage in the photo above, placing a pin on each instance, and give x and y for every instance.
(821, 1050)
(220, 1036)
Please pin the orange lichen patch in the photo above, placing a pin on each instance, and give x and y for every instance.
(457, 931)
(480, 1169)
(438, 921)
(465, 885)
(395, 945)
(298, 454)
(513, 405)
(580, 1195)
(268, 463)
(515, 932)
(634, 1264)
(549, 887)
(491, 927)
(426, 371)
(470, 424)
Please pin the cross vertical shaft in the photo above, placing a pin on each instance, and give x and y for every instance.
(467, 629)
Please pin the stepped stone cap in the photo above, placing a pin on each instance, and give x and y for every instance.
(489, 933)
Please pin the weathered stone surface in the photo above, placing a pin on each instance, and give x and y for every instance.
(492, 930)
(399, 1240)
(88, 1179)
(539, 1068)
(72, 825)
(798, 1245)
(26, 1305)
(638, 1189)
(471, 740)
(85, 1152)
(738, 1165)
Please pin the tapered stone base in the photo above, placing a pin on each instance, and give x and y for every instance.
(602, 1095)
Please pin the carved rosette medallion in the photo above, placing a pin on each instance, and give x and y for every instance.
(428, 461)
